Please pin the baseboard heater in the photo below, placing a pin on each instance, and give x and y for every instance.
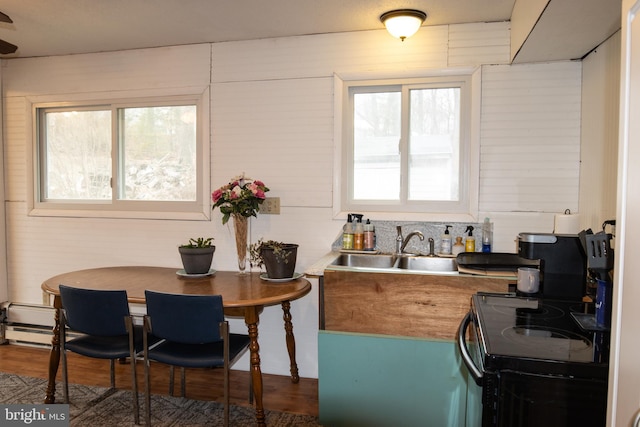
(32, 325)
(28, 324)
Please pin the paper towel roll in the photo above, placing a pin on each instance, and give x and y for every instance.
(566, 224)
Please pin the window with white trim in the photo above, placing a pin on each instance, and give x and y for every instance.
(406, 145)
(140, 158)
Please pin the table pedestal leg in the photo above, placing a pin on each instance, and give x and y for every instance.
(251, 319)
(291, 341)
(54, 356)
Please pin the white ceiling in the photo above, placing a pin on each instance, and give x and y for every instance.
(59, 27)
(570, 29)
(55, 27)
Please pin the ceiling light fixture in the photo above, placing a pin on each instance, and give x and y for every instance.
(403, 23)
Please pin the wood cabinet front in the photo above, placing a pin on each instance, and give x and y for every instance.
(412, 305)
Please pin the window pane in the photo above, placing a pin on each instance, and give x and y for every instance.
(159, 153)
(376, 151)
(434, 144)
(77, 155)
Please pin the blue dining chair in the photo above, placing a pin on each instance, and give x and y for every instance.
(191, 332)
(106, 331)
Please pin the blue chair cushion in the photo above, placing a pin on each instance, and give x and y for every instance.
(207, 355)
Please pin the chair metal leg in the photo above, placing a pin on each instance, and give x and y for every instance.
(112, 374)
(147, 384)
(134, 391)
(171, 380)
(224, 329)
(183, 382)
(134, 379)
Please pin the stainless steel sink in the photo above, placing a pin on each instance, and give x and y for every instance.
(424, 263)
(394, 262)
(365, 260)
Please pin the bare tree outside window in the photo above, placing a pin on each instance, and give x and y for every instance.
(156, 152)
(376, 146)
(432, 151)
(159, 146)
(78, 155)
(434, 144)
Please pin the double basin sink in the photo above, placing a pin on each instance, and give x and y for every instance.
(396, 262)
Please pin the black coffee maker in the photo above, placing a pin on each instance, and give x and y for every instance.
(563, 263)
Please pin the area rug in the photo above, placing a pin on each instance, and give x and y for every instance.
(100, 406)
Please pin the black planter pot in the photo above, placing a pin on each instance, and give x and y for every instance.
(196, 260)
(277, 265)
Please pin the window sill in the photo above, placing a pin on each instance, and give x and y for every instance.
(183, 216)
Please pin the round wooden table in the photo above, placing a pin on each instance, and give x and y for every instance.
(242, 295)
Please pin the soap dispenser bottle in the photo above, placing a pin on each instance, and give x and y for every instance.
(445, 242)
(358, 234)
(369, 236)
(347, 234)
(470, 242)
(458, 246)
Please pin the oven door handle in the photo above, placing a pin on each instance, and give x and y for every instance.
(464, 351)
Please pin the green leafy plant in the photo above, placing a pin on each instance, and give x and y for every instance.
(199, 242)
(279, 250)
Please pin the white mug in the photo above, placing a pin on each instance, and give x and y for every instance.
(528, 280)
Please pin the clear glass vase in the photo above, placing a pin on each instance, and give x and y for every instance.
(240, 226)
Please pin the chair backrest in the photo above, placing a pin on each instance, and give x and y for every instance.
(95, 312)
(188, 319)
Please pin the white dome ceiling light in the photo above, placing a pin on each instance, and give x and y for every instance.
(403, 23)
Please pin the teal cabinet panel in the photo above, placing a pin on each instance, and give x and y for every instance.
(375, 380)
(474, 402)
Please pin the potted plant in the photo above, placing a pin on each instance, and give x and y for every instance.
(278, 258)
(197, 255)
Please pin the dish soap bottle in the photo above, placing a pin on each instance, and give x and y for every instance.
(358, 234)
(458, 247)
(445, 243)
(470, 243)
(369, 236)
(347, 234)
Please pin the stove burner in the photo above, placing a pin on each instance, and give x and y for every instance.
(523, 311)
(536, 309)
(563, 344)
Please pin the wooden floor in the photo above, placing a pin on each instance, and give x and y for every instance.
(280, 394)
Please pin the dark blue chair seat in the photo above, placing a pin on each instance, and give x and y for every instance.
(209, 355)
(115, 347)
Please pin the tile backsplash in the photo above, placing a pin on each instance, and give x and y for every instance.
(386, 235)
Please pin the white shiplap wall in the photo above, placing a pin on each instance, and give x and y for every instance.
(277, 136)
(272, 117)
(530, 151)
(600, 122)
(477, 43)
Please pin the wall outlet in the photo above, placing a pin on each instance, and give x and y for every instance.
(270, 206)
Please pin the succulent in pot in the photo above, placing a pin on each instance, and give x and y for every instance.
(197, 255)
(278, 258)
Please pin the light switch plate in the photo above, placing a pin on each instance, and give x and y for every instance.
(270, 206)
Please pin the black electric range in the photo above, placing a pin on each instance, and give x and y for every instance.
(536, 364)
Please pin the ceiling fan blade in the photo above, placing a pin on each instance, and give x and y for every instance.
(5, 18)
(6, 47)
